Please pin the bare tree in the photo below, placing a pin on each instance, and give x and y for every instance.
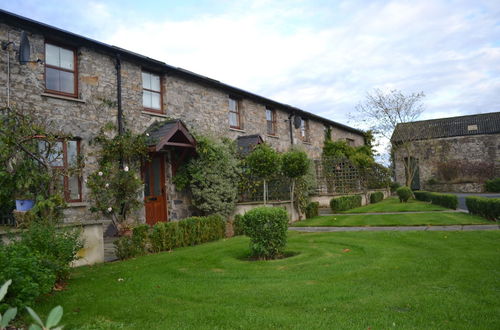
(383, 112)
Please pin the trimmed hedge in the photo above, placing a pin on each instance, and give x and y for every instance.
(423, 196)
(165, 236)
(492, 185)
(312, 210)
(238, 225)
(190, 231)
(488, 208)
(267, 228)
(446, 200)
(345, 203)
(404, 194)
(376, 197)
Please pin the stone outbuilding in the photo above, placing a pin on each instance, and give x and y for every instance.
(456, 154)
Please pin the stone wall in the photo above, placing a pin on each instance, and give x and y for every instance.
(203, 109)
(472, 148)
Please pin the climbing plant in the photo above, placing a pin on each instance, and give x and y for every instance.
(116, 187)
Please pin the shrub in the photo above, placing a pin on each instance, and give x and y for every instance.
(394, 186)
(31, 276)
(376, 197)
(404, 194)
(488, 208)
(125, 248)
(57, 247)
(267, 228)
(345, 203)
(312, 210)
(238, 225)
(212, 176)
(191, 231)
(423, 196)
(447, 200)
(492, 185)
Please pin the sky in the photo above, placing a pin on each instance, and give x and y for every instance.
(320, 56)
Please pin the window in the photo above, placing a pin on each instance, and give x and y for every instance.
(60, 70)
(63, 156)
(234, 113)
(350, 142)
(151, 92)
(304, 130)
(271, 121)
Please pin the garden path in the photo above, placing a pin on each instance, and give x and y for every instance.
(397, 228)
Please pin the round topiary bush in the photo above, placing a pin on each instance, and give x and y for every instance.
(267, 228)
(404, 194)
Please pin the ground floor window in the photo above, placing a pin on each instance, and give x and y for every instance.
(63, 155)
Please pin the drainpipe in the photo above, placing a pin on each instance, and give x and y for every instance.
(118, 66)
(290, 125)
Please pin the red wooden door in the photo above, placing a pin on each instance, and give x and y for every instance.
(155, 198)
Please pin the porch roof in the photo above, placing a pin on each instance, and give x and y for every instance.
(169, 133)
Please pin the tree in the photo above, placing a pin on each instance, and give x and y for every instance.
(383, 112)
(264, 162)
(294, 164)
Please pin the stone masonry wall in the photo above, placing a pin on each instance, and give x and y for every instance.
(472, 148)
(203, 109)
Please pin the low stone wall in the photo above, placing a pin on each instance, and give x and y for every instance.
(456, 187)
(241, 208)
(324, 200)
(92, 251)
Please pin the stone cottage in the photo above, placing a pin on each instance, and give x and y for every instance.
(81, 84)
(454, 154)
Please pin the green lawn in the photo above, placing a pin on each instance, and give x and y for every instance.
(393, 204)
(408, 219)
(369, 280)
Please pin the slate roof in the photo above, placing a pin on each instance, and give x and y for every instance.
(75, 40)
(485, 123)
(159, 129)
(246, 143)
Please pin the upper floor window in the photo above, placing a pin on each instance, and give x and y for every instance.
(63, 157)
(350, 142)
(304, 130)
(271, 121)
(151, 92)
(234, 113)
(60, 70)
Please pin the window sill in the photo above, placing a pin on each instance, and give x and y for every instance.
(273, 136)
(306, 142)
(60, 97)
(155, 114)
(77, 204)
(237, 130)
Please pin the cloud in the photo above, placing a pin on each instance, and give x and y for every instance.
(320, 56)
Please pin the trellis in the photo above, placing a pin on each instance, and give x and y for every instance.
(333, 176)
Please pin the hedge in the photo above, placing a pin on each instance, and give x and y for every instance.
(488, 208)
(423, 196)
(190, 231)
(376, 197)
(492, 185)
(446, 200)
(312, 210)
(345, 203)
(404, 194)
(165, 236)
